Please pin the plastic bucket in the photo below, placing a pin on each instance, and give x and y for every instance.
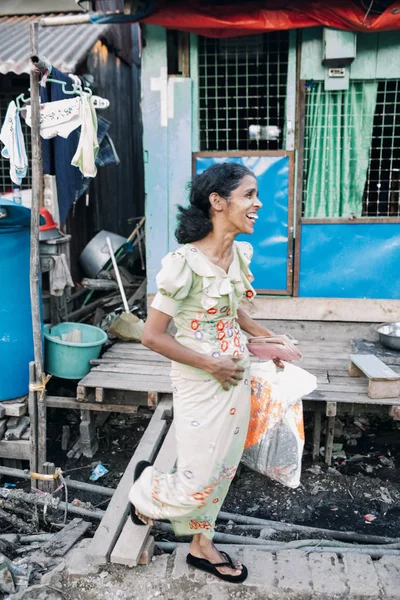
(71, 360)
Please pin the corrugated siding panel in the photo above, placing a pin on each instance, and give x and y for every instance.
(64, 47)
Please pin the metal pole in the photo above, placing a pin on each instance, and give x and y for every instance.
(35, 259)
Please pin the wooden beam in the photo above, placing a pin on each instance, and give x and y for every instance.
(132, 541)
(114, 519)
(19, 450)
(63, 402)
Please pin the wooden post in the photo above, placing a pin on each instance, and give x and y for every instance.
(35, 259)
(32, 406)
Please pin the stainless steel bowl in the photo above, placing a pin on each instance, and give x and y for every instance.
(389, 335)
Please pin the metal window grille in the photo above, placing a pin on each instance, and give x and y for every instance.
(381, 197)
(6, 184)
(242, 91)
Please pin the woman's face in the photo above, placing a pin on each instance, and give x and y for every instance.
(242, 206)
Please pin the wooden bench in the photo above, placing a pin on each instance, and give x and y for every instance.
(383, 381)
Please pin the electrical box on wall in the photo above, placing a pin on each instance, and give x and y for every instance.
(339, 51)
(339, 48)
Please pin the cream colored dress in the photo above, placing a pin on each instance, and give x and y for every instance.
(211, 423)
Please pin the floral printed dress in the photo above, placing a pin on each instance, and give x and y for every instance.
(211, 423)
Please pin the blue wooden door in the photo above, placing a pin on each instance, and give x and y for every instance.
(272, 237)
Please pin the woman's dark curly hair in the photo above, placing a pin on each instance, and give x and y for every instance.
(194, 222)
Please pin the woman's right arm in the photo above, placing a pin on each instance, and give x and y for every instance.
(155, 337)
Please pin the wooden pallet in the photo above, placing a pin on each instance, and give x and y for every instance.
(117, 539)
(133, 369)
(127, 373)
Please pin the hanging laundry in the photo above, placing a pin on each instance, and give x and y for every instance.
(88, 146)
(58, 152)
(107, 154)
(58, 118)
(60, 276)
(14, 144)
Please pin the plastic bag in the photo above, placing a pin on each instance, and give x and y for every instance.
(275, 438)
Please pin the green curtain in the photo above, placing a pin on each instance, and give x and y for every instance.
(338, 135)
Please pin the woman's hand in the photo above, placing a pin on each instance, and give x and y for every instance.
(226, 371)
(278, 363)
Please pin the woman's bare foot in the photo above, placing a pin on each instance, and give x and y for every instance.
(202, 547)
(146, 520)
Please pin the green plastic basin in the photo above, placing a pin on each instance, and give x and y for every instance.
(71, 360)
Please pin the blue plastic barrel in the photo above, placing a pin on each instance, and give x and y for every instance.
(16, 339)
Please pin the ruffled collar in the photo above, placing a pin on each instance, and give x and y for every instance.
(216, 282)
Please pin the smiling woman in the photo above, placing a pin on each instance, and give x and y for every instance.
(201, 286)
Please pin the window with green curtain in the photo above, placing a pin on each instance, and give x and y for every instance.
(337, 145)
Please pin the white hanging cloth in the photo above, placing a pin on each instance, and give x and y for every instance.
(14, 144)
(88, 146)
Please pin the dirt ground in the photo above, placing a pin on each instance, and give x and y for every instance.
(366, 482)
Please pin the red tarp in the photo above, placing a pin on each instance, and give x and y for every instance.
(208, 19)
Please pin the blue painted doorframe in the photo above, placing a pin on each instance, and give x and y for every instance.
(273, 235)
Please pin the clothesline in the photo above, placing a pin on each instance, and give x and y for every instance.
(67, 105)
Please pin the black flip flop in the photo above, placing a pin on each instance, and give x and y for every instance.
(205, 565)
(140, 467)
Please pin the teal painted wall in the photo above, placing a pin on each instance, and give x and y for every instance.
(376, 55)
(167, 142)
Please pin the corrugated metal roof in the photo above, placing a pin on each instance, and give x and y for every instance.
(64, 47)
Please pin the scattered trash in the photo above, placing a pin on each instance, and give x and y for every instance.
(267, 533)
(98, 472)
(341, 454)
(9, 485)
(369, 518)
(337, 447)
(362, 424)
(385, 496)
(316, 489)
(334, 472)
(387, 462)
(315, 470)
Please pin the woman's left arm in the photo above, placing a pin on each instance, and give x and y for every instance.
(251, 326)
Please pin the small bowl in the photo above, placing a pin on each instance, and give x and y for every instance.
(389, 335)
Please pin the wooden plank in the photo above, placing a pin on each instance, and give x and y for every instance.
(354, 310)
(63, 402)
(330, 430)
(316, 434)
(114, 519)
(330, 409)
(15, 433)
(383, 389)
(123, 381)
(345, 386)
(15, 409)
(346, 398)
(120, 356)
(3, 427)
(19, 450)
(133, 538)
(65, 539)
(144, 367)
(373, 367)
(151, 370)
(148, 551)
